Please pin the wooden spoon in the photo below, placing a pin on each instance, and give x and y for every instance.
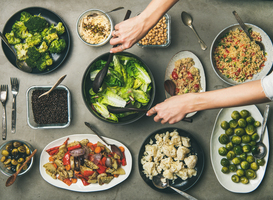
(13, 177)
(169, 86)
(54, 86)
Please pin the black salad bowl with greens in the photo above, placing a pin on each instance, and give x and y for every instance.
(128, 78)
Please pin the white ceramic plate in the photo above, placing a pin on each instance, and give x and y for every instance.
(198, 65)
(79, 187)
(225, 179)
(268, 49)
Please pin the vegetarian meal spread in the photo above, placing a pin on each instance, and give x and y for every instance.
(95, 28)
(35, 40)
(90, 162)
(185, 76)
(239, 58)
(239, 142)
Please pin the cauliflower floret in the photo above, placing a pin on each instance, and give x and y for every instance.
(169, 150)
(183, 173)
(182, 152)
(168, 174)
(186, 141)
(191, 161)
(149, 169)
(176, 166)
(151, 150)
(175, 140)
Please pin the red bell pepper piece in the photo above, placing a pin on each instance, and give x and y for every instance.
(101, 169)
(74, 147)
(88, 173)
(103, 160)
(123, 161)
(53, 152)
(67, 181)
(84, 182)
(52, 149)
(66, 158)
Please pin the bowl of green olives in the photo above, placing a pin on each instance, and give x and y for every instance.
(13, 155)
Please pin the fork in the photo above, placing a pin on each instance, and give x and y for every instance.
(14, 90)
(3, 98)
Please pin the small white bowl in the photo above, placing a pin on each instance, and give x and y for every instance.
(89, 12)
(30, 116)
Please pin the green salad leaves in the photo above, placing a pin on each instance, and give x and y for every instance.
(126, 82)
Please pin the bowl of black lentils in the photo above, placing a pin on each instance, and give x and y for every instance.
(49, 111)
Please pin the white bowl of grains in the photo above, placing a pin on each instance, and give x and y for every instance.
(94, 27)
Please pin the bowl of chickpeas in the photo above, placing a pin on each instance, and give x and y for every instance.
(159, 36)
(13, 155)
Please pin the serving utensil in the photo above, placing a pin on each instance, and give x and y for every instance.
(20, 64)
(13, 177)
(262, 150)
(114, 148)
(187, 20)
(102, 73)
(245, 29)
(112, 109)
(170, 87)
(14, 90)
(96, 14)
(161, 183)
(3, 98)
(54, 86)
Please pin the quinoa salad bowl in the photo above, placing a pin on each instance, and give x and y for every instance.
(236, 60)
(189, 174)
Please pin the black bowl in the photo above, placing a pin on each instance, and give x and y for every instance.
(178, 183)
(87, 84)
(51, 18)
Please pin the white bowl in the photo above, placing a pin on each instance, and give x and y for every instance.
(89, 12)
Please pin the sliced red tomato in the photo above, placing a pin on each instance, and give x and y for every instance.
(174, 75)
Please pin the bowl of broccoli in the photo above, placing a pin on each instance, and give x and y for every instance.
(128, 83)
(39, 37)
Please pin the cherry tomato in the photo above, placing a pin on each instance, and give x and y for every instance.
(174, 75)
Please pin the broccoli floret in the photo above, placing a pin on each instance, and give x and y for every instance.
(34, 39)
(50, 36)
(25, 16)
(57, 46)
(31, 63)
(33, 53)
(36, 24)
(20, 30)
(44, 61)
(21, 50)
(44, 32)
(60, 28)
(12, 39)
(43, 47)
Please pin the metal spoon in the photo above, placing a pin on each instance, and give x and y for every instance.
(161, 183)
(187, 20)
(13, 177)
(96, 14)
(102, 73)
(54, 86)
(260, 145)
(20, 64)
(114, 148)
(245, 29)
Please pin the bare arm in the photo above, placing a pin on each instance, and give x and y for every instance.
(128, 32)
(175, 108)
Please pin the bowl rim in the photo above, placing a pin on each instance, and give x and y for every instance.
(31, 161)
(44, 87)
(152, 94)
(110, 20)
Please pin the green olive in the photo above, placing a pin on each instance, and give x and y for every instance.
(255, 150)
(244, 180)
(7, 161)
(252, 143)
(229, 131)
(233, 123)
(9, 146)
(240, 172)
(229, 146)
(14, 162)
(3, 158)
(225, 170)
(236, 160)
(21, 149)
(245, 165)
(232, 168)
(25, 167)
(239, 131)
(18, 166)
(222, 151)
(243, 156)
(224, 125)
(250, 174)
(244, 113)
(246, 148)
(223, 139)
(242, 123)
(250, 129)
(235, 178)
(254, 166)
(5, 153)
(20, 160)
(14, 152)
(235, 115)
(225, 162)
(27, 149)
(236, 139)
(246, 138)
(260, 162)
(238, 150)
(250, 120)
(255, 137)
(16, 144)
(231, 155)
(257, 124)
(250, 159)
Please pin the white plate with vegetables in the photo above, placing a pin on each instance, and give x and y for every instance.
(78, 186)
(197, 64)
(225, 179)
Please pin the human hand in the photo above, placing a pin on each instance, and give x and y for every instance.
(172, 110)
(127, 33)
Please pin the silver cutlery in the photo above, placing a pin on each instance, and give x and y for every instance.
(14, 90)
(3, 98)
